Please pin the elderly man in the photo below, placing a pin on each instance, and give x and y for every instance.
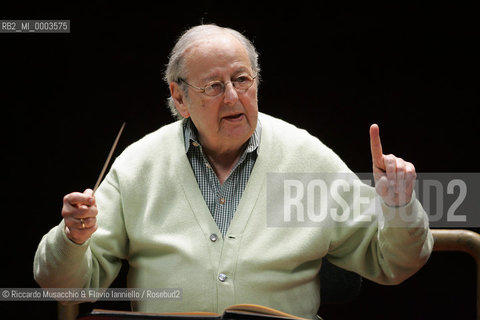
(187, 204)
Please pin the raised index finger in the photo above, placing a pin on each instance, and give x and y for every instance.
(376, 147)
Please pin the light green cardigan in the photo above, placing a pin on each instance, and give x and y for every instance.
(152, 213)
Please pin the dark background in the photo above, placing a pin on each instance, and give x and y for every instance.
(331, 69)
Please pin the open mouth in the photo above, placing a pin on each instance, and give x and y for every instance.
(234, 117)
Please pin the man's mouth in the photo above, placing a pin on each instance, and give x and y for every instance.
(234, 117)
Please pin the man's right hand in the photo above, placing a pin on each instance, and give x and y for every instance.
(80, 215)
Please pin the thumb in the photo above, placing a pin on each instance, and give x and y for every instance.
(90, 193)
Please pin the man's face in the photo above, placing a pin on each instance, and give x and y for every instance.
(228, 120)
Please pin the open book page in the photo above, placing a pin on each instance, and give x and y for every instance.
(236, 312)
(260, 310)
(121, 315)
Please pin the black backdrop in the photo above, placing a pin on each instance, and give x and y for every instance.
(331, 69)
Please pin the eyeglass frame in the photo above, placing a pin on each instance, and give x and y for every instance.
(224, 85)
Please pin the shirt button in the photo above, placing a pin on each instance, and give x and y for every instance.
(213, 237)
(195, 144)
(222, 277)
(222, 200)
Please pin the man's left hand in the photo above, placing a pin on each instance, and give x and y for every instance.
(394, 177)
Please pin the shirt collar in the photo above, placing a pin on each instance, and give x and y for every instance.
(191, 137)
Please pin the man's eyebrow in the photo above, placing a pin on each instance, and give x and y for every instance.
(210, 77)
(215, 76)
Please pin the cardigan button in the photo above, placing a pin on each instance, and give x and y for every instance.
(213, 237)
(222, 277)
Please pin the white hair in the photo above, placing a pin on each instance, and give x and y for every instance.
(176, 68)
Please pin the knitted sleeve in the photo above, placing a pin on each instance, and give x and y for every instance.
(59, 262)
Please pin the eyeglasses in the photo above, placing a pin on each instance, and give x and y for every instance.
(215, 88)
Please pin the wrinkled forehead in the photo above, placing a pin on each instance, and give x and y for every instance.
(216, 53)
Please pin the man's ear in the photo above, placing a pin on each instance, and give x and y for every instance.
(179, 99)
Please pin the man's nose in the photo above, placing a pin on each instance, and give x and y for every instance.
(230, 96)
